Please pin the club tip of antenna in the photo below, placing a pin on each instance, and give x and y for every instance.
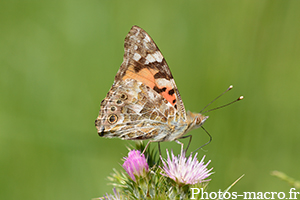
(230, 87)
(240, 98)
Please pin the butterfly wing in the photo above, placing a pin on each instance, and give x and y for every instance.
(144, 102)
(144, 62)
(133, 111)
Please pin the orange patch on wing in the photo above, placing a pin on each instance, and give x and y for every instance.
(168, 97)
(145, 75)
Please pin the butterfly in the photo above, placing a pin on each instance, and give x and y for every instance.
(144, 102)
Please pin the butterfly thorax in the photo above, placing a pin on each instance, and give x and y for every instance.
(192, 121)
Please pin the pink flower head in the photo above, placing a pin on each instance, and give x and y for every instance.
(186, 171)
(135, 164)
(116, 196)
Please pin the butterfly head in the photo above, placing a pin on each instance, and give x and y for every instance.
(195, 120)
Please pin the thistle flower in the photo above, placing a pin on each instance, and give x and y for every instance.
(116, 196)
(185, 171)
(135, 164)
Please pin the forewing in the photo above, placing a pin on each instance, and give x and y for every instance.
(144, 62)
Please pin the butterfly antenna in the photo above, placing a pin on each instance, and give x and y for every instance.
(210, 139)
(240, 98)
(229, 88)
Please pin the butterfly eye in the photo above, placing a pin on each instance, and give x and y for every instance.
(123, 97)
(112, 119)
(113, 108)
(198, 120)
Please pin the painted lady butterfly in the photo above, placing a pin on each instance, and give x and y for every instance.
(144, 102)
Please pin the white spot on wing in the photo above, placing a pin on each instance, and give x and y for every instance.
(136, 57)
(150, 58)
(157, 55)
(154, 57)
(138, 32)
(135, 47)
(147, 39)
(151, 95)
(164, 83)
(136, 107)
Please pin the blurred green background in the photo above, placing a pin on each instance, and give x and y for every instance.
(58, 60)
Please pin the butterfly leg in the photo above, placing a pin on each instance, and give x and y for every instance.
(159, 148)
(190, 136)
(178, 142)
(210, 139)
(146, 146)
(161, 159)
